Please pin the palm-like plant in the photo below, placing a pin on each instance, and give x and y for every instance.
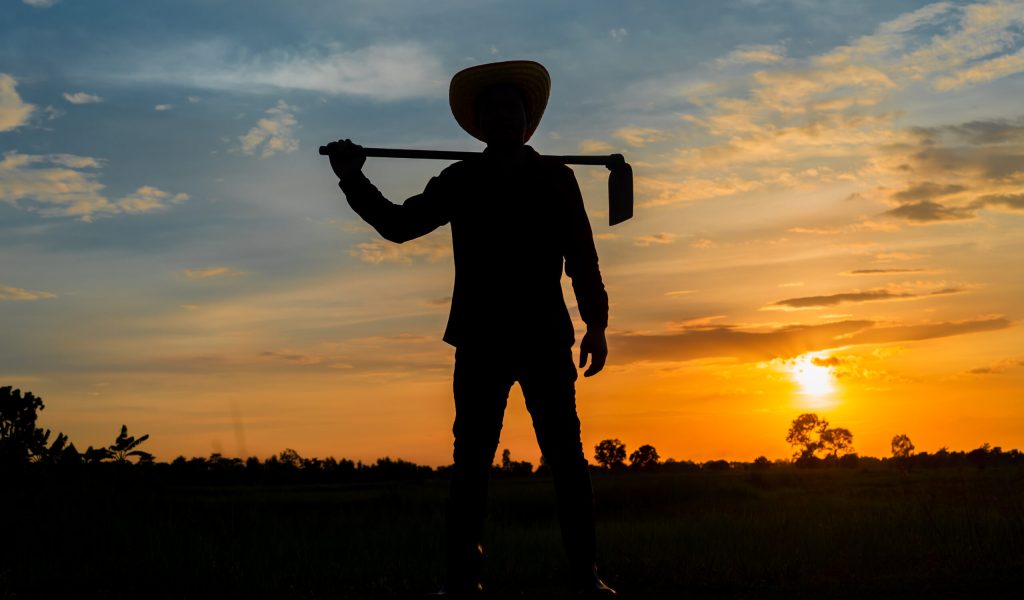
(124, 447)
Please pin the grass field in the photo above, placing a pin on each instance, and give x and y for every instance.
(780, 532)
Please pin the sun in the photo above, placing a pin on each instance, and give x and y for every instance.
(814, 376)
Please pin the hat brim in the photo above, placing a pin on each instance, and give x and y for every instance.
(530, 77)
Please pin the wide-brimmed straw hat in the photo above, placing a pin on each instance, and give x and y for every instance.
(531, 78)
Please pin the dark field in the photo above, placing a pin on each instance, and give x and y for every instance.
(781, 532)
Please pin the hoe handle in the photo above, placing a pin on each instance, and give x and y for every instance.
(620, 180)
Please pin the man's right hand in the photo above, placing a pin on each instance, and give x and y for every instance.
(346, 158)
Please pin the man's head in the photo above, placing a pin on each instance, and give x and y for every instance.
(501, 115)
(512, 96)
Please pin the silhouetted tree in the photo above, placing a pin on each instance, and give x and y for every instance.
(610, 454)
(20, 439)
(514, 467)
(836, 440)
(805, 434)
(290, 457)
(762, 462)
(61, 452)
(124, 447)
(644, 457)
(902, 447)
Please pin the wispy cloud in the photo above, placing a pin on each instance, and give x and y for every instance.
(754, 54)
(595, 147)
(639, 136)
(66, 185)
(883, 271)
(273, 134)
(211, 272)
(864, 296)
(13, 293)
(149, 199)
(41, 3)
(382, 71)
(655, 239)
(162, 107)
(14, 112)
(998, 367)
(82, 98)
(782, 342)
(430, 248)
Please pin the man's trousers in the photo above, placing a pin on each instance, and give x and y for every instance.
(482, 381)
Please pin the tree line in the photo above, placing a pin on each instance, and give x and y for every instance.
(24, 445)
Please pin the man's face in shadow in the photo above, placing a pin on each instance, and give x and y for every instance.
(501, 116)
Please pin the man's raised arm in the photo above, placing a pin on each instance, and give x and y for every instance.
(419, 215)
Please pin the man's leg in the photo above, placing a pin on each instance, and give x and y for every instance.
(481, 385)
(549, 386)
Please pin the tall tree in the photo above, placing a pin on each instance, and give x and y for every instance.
(610, 453)
(902, 447)
(804, 434)
(20, 439)
(836, 440)
(644, 457)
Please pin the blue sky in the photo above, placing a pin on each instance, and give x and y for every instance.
(168, 231)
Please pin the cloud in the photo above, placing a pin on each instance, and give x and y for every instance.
(927, 191)
(697, 323)
(211, 272)
(784, 342)
(12, 293)
(64, 185)
(977, 133)
(882, 271)
(595, 147)
(982, 30)
(999, 367)
(853, 297)
(927, 211)
(272, 135)
(148, 199)
(754, 54)
(82, 98)
(909, 333)
(1011, 201)
(990, 70)
(41, 3)
(382, 71)
(13, 111)
(163, 107)
(618, 34)
(638, 136)
(657, 238)
(836, 108)
(430, 248)
(293, 357)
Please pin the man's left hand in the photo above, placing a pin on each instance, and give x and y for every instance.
(596, 347)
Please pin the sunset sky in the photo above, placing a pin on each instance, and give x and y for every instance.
(830, 200)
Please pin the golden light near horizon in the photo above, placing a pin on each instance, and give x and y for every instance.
(816, 380)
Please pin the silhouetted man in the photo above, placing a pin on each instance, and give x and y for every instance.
(516, 218)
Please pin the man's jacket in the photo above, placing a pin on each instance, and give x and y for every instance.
(510, 235)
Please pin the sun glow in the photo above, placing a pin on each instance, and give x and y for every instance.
(814, 376)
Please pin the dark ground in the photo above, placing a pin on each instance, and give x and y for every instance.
(777, 533)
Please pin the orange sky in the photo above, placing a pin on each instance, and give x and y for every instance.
(828, 219)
